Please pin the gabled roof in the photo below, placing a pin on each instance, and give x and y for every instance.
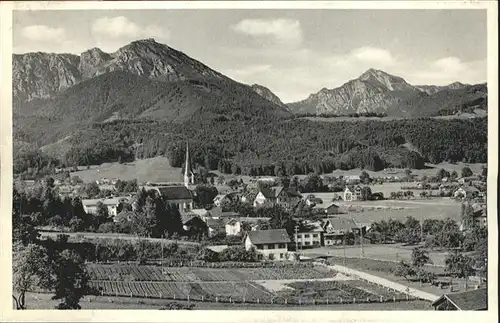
(269, 236)
(173, 192)
(311, 227)
(213, 223)
(340, 223)
(112, 201)
(199, 212)
(268, 193)
(473, 300)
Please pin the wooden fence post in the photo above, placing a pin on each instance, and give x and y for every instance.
(341, 300)
(258, 301)
(286, 301)
(174, 296)
(216, 299)
(244, 300)
(300, 302)
(394, 298)
(381, 299)
(354, 300)
(202, 298)
(130, 294)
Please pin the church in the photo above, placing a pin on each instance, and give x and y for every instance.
(188, 171)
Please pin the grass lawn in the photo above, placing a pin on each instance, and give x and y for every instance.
(393, 253)
(43, 301)
(158, 169)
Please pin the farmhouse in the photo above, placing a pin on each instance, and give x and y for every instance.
(276, 195)
(310, 235)
(215, 227)
(232, 227)
(217, 213)
(335, 230)
(474, 300)
(466, 192)
(271, 244)
(90, 205)
(352, 193)
(176, 195)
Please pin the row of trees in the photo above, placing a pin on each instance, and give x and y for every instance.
(277, 147)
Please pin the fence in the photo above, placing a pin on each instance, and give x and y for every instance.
(204, 264)
(264, 301)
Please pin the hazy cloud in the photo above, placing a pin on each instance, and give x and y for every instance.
(113, 32)
(43, 33)
(372, 55)
(285, 31)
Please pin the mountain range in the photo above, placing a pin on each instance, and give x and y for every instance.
(149, 80)
(376, 91)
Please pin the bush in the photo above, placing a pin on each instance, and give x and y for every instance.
(238, 253)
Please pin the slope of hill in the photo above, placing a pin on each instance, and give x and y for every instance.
(268, 94)
(379, 92)
(432, 89)
(42, 75)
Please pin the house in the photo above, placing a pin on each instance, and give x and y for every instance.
(271, 244)
(276, 195)
(352, 193)
(249, 195)
(217, 213)
(218, 200)
(328, 209)
(193, 225)
(215, 227)
(353, 179)
(466, 192)
(335, 229)
(232, 227)
(310, 235)
(90, 205)
(176, 195)
(473, 300)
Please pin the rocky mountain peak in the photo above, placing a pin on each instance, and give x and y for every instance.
(267, 94)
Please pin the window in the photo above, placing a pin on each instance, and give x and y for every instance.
(281, 256)
(307, 243)
(306, 236)
(315, 242)
(282, 245)
(271, 246)
(260, 247)
(315, 235)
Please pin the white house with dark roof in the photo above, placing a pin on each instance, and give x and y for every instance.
(271, 244)
(90, 205)
(335, 230)
(276, 195)
(310, 235)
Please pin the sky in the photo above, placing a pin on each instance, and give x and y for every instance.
(292, 52)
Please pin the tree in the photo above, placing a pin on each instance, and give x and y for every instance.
(31, 268)
(484, 171)
(454, 175)
(205, 195)
(408, 174)
(72, 280)
(366, 193)
(459, 265)
(466, 172)
(420, 257)
(442, 174)
(365, 177)
(91, 190)
(102, 215)
(404, 270)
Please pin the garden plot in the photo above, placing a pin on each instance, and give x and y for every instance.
(181, 290)
(134, 272)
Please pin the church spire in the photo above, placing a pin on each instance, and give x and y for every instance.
(188, 172)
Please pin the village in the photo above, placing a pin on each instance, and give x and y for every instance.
(316, 220)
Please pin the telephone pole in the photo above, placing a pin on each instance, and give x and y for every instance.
(296, 239)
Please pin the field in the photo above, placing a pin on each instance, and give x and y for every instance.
(193, 274)
(158, 169)
(155, 169)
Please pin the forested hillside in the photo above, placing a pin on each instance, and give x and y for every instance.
(260, 146)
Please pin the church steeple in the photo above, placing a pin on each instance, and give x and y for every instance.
(188, 172)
